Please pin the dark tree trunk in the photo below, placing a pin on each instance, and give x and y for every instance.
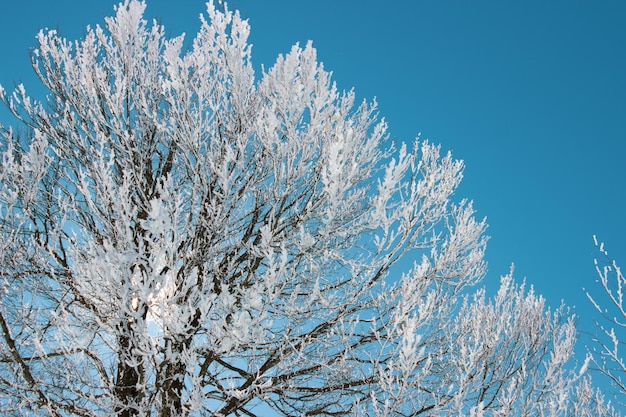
(128, 378)
(173, 379)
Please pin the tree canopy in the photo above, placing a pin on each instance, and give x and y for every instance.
(182, 238)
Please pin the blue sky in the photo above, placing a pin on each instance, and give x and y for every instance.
(531, 95)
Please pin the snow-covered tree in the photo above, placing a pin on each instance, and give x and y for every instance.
(180, 238)
(607, 347)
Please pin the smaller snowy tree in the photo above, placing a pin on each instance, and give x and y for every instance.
(608, 341)
(178, 238)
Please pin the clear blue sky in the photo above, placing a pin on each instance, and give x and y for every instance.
(530, 94)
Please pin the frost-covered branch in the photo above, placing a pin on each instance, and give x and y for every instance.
(607, 343)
